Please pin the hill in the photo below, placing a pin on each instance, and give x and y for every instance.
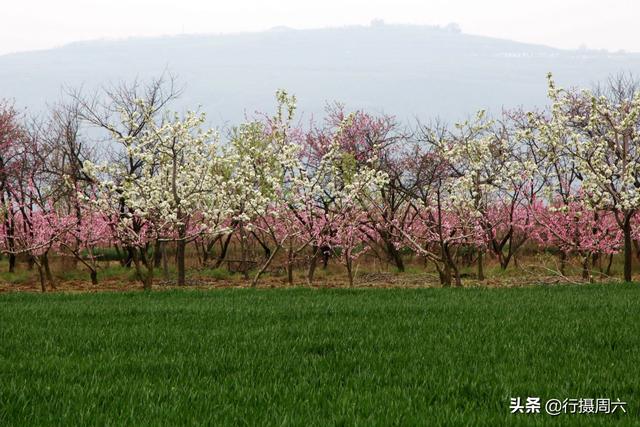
(402, 70)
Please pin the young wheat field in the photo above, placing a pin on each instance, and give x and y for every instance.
(317, 357)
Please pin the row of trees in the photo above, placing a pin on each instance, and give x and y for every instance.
(119, 169)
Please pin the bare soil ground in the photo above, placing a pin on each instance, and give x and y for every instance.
(365, 280)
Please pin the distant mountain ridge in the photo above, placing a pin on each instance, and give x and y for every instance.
(407, 71)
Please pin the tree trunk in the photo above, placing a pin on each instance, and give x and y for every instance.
(596, 261)
(563, 262)
(608, 270)
(350, 272)
(290, 274)
(148, 280)
(289, 265)
(480, 266)
(223, 251)
(244, 265)
(10, 229)
(397, 258)
(165, 262)
(43, 287)
(47, 270)
(264, 267)
(180, 254)
(129, 258)
(205, 253)
(394, 253)
(157, 253)
(12, 263)
(504, 261)
(628, 249)
(445, 275)
(139, 260)
(451, 267)
(457, 277)
(94, 277)
(207, 249)
(585, 268)
(326, 251)
(312, 265)
(265, 248)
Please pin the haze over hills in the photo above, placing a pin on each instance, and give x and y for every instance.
(407, 71)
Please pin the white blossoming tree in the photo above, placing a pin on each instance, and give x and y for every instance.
(293, 199)
(603, 142)
(491, 172)
(176, 194)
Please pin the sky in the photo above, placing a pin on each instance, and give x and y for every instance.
(42, 24)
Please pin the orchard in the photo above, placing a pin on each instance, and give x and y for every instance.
(120, 173)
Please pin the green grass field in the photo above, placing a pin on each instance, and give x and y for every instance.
(317, 357)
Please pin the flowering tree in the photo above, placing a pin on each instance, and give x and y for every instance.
(258, 156)
(296, 191)
(349, 239)
(86, 230)
(603, 141)
(119, 114)
(431, 227)
(363, 136)
(344, 181)
(11, 133)
(566, 178)
(492, 183)
(30, 208)
(177, 192)
(575, 228)
(60, 149)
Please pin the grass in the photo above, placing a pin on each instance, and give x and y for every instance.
(15, 278)
(213, 273)
(317, 357)
(110, 272)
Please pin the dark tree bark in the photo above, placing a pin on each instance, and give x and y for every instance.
(94, 277)
(628, 249)
(223, 251)
(180, 255)
(12, 263)
(157, 253)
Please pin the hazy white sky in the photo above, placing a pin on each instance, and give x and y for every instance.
(38, 24)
